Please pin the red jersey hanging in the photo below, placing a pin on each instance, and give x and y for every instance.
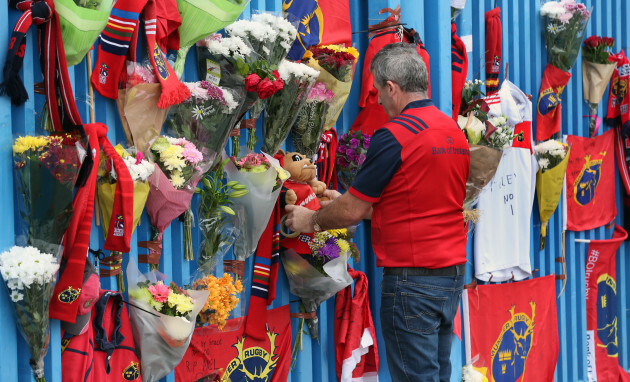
(372, 115)
(590, 182)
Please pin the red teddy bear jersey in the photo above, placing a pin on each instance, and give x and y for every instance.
(305, 198)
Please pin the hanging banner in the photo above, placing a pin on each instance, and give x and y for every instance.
(512, 330)
(589, 196)
(318, 22)
(601, 309)
(239, 358)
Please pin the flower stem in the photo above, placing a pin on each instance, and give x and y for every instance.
(236, 141)
(251, 139)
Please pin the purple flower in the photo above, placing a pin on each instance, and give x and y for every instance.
(352, 155)
(366, 142)
(341, 149)
(342, 162)
(361, 159)
(330, 250)
(354, 143)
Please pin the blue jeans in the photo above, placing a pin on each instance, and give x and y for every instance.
(417, 323)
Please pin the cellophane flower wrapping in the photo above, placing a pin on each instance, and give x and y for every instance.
(309, 126)
(45, 169)
(336, 65)
(215, 217)
(206, 118)
(200, 19)
(598, 65)
(165, 202)
(564, 23)
(552, 157)
(141, 119)
(30, 278)
(253, 210)
(285, 105)
(162, 340)
(351, 153)
(315, 286)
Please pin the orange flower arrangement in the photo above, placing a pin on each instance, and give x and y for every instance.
(221, 301)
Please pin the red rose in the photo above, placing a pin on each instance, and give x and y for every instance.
(278, 84)
(251, 82)
(590, 42)
(265, 89)
(598, 40)
(276, 74)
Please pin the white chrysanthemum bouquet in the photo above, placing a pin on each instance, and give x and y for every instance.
(550, 153)
(30, 277)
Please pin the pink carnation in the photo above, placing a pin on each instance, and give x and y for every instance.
(139, 157)
(160, 292)
(191, 154)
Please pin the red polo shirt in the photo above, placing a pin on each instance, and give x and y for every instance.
(415, 173)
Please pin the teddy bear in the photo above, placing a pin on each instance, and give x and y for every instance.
(302, 189)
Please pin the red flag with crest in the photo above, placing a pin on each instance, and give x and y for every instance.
(590, 182)
(549, 109)
(512, 330)
(241, 358)
(602, 352)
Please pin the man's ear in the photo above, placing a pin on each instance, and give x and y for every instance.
(391, 87)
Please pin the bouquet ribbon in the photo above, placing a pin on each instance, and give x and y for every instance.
(598, 122)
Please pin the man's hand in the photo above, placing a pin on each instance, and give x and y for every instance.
(299, 219)
(331, 195)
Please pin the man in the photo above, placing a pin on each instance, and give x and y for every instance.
(412, 185)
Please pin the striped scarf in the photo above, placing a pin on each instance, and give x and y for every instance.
(118, 40)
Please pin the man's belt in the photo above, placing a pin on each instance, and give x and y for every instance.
(453, 270)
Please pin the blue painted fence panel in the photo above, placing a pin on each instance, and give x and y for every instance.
(523, 53)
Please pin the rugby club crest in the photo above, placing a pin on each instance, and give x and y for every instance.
(252, 364)
(586, 182)
(510, 351)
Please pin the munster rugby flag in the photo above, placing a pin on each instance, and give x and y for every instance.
(589, 196)
(318, 22)
(512, 330)
(236, 357)
(601, 309)
(548, 110)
